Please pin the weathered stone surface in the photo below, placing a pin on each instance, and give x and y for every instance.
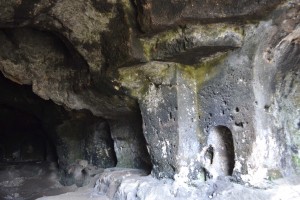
(77, 174)
(190, 44)
(129, 143)
(110, 180)
(168, 102)
(95, 29)
(170, 117)
(129, 184)
(233, 92)
(80, 173)
(33, 57)
(80, 28)
(120, 43)
(214, 95)
(89, 31)
(154, 15)
(47, 132)
(287, 95)
(99, 147)
(76, 141)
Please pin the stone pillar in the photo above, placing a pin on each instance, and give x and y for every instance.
(99, 147)
(129, 143)
(170, 118)
(85, 137)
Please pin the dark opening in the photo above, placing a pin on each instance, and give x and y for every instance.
(221, 143)
(28, 157)
(23, 138)
(43, 145)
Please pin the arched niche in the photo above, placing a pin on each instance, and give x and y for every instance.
(221, 151)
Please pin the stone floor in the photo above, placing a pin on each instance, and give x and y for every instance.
(134, 185)
(30, 181)
(40, 180)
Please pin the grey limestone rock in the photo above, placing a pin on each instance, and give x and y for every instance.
(189, 90)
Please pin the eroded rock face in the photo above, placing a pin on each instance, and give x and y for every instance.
(129, 143)
(83, 136)
(82, 37)
(36, 130)
(186, 104)
(189, 44)
(154, 15)
(215, 82)
(287, 95)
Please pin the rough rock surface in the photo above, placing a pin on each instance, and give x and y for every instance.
(186, 104)
(154, 15)
(192, 91)
(130, 144)
(30, 181)
(134, 184)
(33, 57)
(190, 43)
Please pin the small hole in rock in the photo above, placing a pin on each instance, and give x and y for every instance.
(266, 107)
(170, 115)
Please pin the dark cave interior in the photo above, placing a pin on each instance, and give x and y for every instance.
(23, 135)
(37, 133)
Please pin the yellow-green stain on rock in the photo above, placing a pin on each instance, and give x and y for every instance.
(180, 40)
(274, 174)
(137, 79)
(203, 71)
(296, 161)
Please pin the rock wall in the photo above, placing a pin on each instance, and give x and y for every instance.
(216, 82)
